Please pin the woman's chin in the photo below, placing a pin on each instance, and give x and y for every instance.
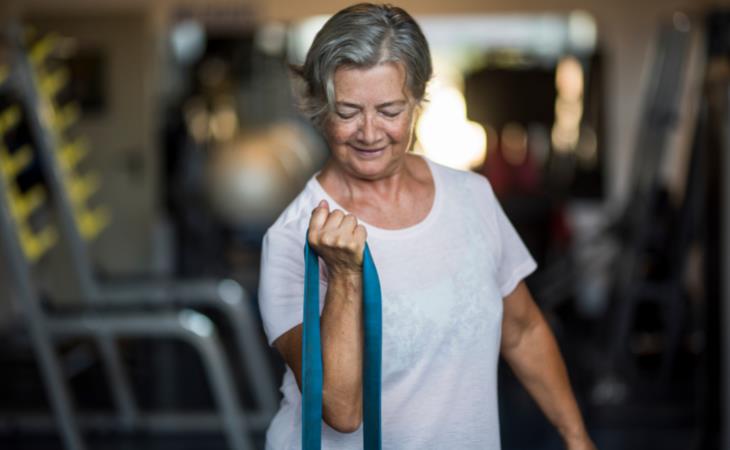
(370, 170)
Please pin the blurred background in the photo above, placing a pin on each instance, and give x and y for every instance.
(146, 146)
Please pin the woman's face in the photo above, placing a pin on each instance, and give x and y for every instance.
(370, 130)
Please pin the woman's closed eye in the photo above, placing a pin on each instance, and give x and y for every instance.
(391, 113)
(346, 114)
(349, 114)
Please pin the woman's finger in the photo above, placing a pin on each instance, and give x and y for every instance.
(333, 220)
(361, 235)
(319, 217)
(348, 224)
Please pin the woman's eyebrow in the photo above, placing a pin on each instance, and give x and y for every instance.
(348, 105)
(392, 103)
(381, 105)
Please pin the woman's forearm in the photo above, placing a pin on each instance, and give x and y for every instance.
(529, 347)
(342, 342)
(537, 363)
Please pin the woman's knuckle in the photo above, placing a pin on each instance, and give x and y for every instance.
(361, 232)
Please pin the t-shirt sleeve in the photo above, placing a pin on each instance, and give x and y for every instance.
(281, 283)
(514, 262)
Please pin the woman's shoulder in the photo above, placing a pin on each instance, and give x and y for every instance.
(294, 219)
(459, 178)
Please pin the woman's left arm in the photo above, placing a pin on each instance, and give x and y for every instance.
(530, 349)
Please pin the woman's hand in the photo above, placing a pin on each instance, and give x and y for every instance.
(338, 239)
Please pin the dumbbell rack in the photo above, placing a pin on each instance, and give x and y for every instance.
(35, 87)
(48, 122)
(15, 211)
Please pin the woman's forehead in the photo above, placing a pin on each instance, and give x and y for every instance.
(383, 83)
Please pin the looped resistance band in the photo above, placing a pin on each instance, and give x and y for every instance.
(312, 354)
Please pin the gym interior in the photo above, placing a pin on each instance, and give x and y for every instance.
(148, 145)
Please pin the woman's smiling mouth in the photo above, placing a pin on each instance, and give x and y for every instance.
(368, 152)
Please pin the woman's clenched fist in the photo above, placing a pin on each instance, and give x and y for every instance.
(338, 239)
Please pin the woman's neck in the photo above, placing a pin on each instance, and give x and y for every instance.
(393, 201)
(351, 189)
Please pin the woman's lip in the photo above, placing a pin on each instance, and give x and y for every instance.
(368, 153)
(368, 150)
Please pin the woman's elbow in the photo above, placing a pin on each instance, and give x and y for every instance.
(346, 420)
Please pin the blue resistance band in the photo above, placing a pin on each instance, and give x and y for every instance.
(312, 354)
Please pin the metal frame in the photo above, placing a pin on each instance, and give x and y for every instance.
(22, 81)
(725, 265)
(187, 325)
(227, 296)
(19, 271)
(659, 114)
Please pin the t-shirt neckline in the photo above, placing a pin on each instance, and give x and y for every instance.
(398, 232)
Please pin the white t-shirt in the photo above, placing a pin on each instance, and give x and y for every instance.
(443, 281)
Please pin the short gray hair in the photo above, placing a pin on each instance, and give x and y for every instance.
(362, 36)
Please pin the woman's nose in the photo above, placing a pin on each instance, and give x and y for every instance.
(370, 132)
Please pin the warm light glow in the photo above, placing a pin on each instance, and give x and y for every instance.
(568, 112)
(444, 133)
(196, 117)
(224, 123)
(568, 105)
(569, 79)
(564, 139)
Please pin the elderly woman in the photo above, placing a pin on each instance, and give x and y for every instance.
(451, 265)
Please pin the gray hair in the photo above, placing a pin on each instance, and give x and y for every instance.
(362, 36)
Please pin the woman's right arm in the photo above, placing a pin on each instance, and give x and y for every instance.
(340, 241)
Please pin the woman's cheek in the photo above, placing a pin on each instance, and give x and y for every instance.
(338, 133)
(401, 130)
